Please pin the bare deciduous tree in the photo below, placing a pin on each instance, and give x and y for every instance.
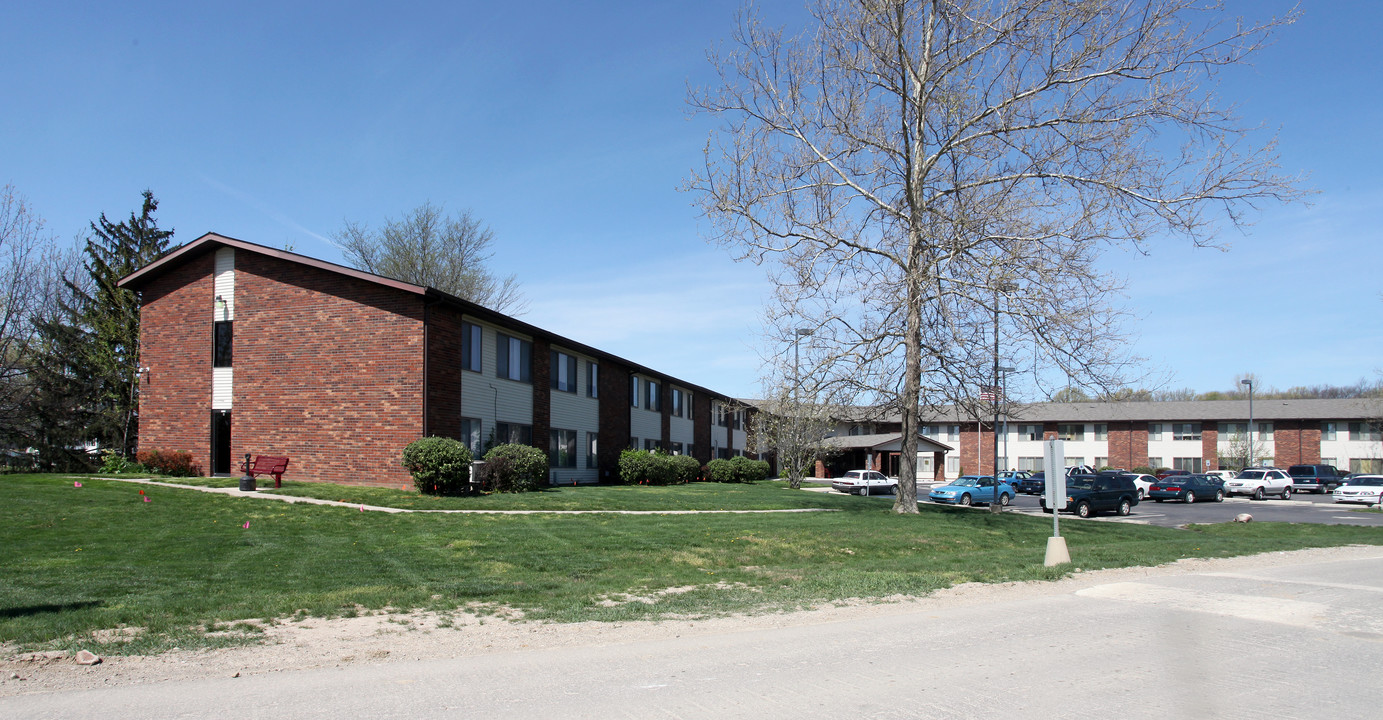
(794, 431)
(425, 247)
(928, 180)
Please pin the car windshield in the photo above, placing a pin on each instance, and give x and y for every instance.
(1251, 475)
(968, 480)
(1371, 480)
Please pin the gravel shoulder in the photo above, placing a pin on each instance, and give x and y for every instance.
(395, 637)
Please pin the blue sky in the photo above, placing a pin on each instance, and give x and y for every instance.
(564, 126)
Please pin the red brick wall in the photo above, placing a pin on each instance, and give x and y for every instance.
(328, 371)
(614, 418)
(1310, 442)
(1293, 443)
(1138, 444)
(701, 429)
(1210, 450)
(175, 344)
(443, 372)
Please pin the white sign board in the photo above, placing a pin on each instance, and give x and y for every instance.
(1055, 466)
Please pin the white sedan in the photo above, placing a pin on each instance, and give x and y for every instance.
(865, 482)
(1367, 489)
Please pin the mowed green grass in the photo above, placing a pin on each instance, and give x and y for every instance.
(185, 571)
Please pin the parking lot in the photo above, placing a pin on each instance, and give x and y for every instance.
(1302, 508)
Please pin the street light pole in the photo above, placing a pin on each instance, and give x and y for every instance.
(1248, 453)
(796, 393)
(1005, 288)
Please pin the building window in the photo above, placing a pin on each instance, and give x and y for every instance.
(562, 448)
(650, 444)
(1364, 432)
(1029, 433)
(1328, 461)
(563, 372)
(1073, 460)
(1365, 466)
(515, 358)
(592, 380)
(1075, 433)
(470, 346)
(718, 409)
(1191, 464)
(1154, 431)
(513, 433)
(470, 436)
(1186, 431)
(654, 397)
(1154, 462)
(1101, 431)
(223, 343)
(1327, 433)
(591, 456)
(676, 402)
(952, 465)
(1101, 462)
(1031, 464)
(1228, 429)
(1265, 432)
(739, 420)
(677, 448)
(633, 443)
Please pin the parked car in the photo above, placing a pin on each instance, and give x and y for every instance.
(1315, 478)
(1168, 472)
(1188, 488)
(1034, 484)
(1225, 475)
(865, 482)
(1088, 495)
(1013, 477)
(1142, 483)
(1261, 481)
(1367, 489)
(972, 490)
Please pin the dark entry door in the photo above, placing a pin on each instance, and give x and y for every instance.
(220, 442)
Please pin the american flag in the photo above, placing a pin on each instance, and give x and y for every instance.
(990, 394)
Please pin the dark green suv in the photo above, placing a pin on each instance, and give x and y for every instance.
(1087, 495)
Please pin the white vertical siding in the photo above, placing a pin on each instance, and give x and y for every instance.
(575, 411)
(225, 285)
(222, 378)
(494, 399)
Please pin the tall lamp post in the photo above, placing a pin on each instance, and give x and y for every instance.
(1005, 288)
(1248, 453)
(1001, 397)
(796, 392)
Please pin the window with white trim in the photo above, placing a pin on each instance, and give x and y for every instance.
(1074, 432)
(1186, 431)
(1029, 433)
(563, 372)
(1154, 431)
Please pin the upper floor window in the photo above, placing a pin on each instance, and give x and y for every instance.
(1227, 429)
(1154, 433)
(1071, 432)
(1327, 433)
(677, 402)
(514, 358)
(1029, 432)
(1265, 431)
(654, 398)
(470, 346)
(1186, 431)
(592, 380)
(634, 390)
(1101, 433)
(563, 372)
(223, 343)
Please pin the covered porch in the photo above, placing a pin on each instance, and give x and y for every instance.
(883, 453)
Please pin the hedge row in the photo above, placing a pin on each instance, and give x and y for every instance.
(442, 466)
(659, 468)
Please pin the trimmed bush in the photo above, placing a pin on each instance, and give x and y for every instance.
(747, 470)
(721, 470)
(440, 466)
(634, 466)
(524, 468)
(1144, 470)
(176, 463)
(685, 468)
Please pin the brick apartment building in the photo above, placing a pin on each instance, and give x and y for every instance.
(248, 349)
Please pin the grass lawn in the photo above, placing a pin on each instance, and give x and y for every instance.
(82, 560)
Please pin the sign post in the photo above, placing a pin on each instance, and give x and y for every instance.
(1054, 490)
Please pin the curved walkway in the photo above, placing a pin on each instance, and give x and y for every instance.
(236, 492)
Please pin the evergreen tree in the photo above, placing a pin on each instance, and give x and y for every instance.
(88, 387)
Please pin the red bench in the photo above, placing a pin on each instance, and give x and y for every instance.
(271, 465)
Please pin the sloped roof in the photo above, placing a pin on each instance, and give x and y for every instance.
(1172, 411)
(878, 441)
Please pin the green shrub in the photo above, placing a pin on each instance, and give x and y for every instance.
(661, 469)
(720, 470)
(524, 469)
(685, 468)
(440, 466)
(114, 462)
(747, 470)
(633, 466)
(175, 463)
(1144, 470)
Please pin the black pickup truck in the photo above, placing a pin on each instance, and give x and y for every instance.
(1316, 478)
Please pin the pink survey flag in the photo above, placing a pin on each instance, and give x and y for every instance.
(247, 524)
(76, 483)
(146, 498)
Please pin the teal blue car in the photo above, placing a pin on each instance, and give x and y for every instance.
(972, 490)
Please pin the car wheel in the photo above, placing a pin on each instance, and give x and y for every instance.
(1125, 507)
(1140, 493)
(1190, 497)
(1083, 509)
(1258, 493)
(1005, 499)
(1287, 493)
(1219, 496)
(893, 491)
(964, 500)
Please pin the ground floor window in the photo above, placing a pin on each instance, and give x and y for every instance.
(1328, 461)
(470, 436)
(591, 460)
(952, 465)
(1191, 464)
(650, 444)
(1074, 460)
(677, 448)
(1371, 466)
(513, 433)
(1031, 464)
(1154, 462)
(562, 448)
(1101, 463)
